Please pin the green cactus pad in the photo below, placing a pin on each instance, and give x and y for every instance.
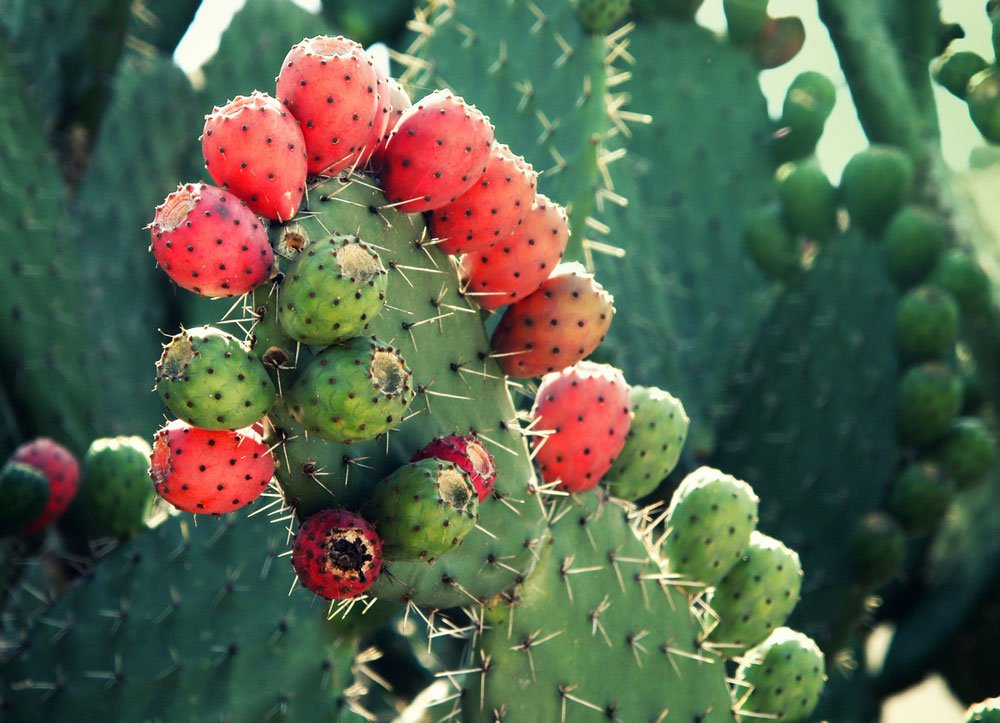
(184, 622)
(808, 200)
(210, 379)
(969, 452)
(675, 9)
(875, 184)
(745, 19)
(914, 240)
(929, 398)
(782, 678)
(877, 547)
(115, 492)
(596, 617)
(653, 446)
(920, 497)
(423, 509)
(709, 523)
(332, 291)
(756, 596)
(353, 392)
(771, 245)
(23, 494)
(926, 324)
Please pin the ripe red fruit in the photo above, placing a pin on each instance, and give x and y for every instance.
(329, 84)
(556, 326)
(587, 410)
(469, 455)
(209, 242)
(492, 209)
(61, 469)
(337, 554)
(254, 148)
(399, 101)
(437, 151)
(516, 266)
(209, 471)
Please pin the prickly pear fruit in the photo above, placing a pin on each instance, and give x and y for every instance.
(439, 148)
(209, 242)
(517, 265)
(352, 392)
(709, 522)
(399, 101)
(778, 42)
(756, 596)
(920, 496)
(209, 471)
(808, 103)
(424, 509)
(332, 291)
(958, 273)
(62, 471)
(745, 19)
(254, 148)
(928, 400)
(953, 71)
(24, 492)
(987, 711)
(808, 200)
(926, 324)
(913, 242)
(115, 494)
(337, 554)
(383, 114)
(212, 380)
(983, 96)
(770, 244)
(782, 678)
(600, 16)
(469, 454)
(557, 325)
(877, 547)
(584, 413)
(969, 452)
(492, 209)
(329, 85)
(653, 444)
(875, 184)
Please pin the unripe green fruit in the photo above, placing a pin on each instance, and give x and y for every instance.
(954, 71)
(929, 398)
(926, 324)
(600, 16)
(745, 19)
(913, 243)
(969, 452)
(808, 200)
(958, 273)
(24, 492)
(920, 497)
(785, 676)
(875, 184)
(808, 103)
(771, 245)
(115, 492)
(877, 547)
(983, 97)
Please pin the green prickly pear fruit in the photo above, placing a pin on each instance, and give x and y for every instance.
(953, 71)
(212, 380)
(332, 291)
(115, 490)
(929, 397)
(756, 596)
(875, 184)
(424, 509)
(352, 392)
(653, 444)
(808, 200)
(24, 491)
(926, 324)
(969, 452)
(983, 97)
(913, 242)
(808, 103)
(600, 16)
(745, 19)
(709, 523)
(877, 547)
(785, 676)
(771, 245)
(958, 273)
(987, 711)
(920, 497)
(973, 394)
(676, 9)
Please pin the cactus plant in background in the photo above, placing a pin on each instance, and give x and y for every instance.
(363, 301)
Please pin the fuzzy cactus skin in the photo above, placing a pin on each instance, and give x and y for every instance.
(337, 554)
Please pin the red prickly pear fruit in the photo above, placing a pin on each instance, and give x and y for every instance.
(517, 265)
(329, 84)
(383, 113)
(254, 148)
(209, 471)
(492, 209)
(399, 101)
(209, 242)
(557, 325)
(439, 148)
(586, 411)
(337, 554)
(469, 455)
(779, 41)
(62, 471)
